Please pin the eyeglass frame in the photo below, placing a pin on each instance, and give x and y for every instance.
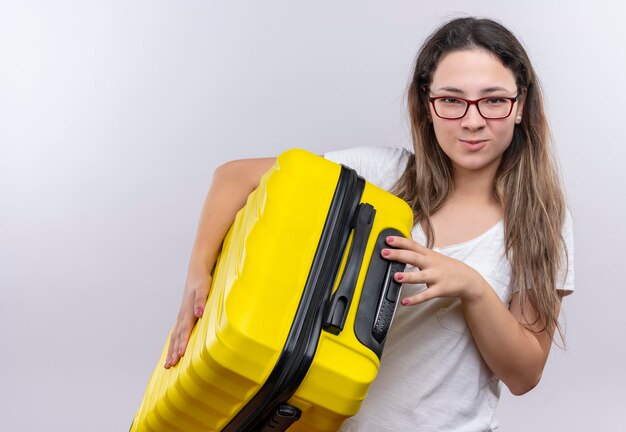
(473, 102)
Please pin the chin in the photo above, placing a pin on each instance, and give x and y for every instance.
(476, 164)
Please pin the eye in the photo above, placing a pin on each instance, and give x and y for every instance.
(495, 101)
(450, 100)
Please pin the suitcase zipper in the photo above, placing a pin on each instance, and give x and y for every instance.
(301, 343)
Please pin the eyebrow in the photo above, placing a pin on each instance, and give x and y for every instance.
(484, 91)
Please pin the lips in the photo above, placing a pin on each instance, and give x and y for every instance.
(474, 144)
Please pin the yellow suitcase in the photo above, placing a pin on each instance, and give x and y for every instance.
(298, 311)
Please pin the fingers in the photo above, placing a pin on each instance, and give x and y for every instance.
(414, 277)
(202, 292)
(179, 339)
(192, 308)
(405, 256)
(405, 251)
(408, 251)
(406, 243)
(443, 276)
(421, 297)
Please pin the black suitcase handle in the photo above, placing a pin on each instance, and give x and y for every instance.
(340, 302)
(387, 303)
(284, 416)
(379, 296)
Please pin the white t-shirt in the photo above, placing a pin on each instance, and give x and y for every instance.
(432, 377)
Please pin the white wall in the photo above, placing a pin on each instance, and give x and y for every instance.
(113, 115)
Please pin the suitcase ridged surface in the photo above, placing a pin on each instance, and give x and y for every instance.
(256, 290)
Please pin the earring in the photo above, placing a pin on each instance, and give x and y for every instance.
(518, 119)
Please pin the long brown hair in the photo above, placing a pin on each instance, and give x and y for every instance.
(526, 184)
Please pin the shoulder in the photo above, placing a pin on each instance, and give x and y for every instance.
(381, 166)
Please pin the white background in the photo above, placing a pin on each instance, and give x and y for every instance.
(114, 114)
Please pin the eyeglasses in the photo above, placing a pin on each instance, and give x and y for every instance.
(490, 107)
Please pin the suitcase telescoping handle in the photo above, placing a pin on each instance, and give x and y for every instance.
(340, 302)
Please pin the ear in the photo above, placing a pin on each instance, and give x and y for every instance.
(520, 105)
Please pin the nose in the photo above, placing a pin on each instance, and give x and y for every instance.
(473, 120)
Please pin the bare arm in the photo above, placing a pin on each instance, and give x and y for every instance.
(231, 185)
(514, 353)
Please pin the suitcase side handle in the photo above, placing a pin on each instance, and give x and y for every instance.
(379, 297)
(387, 303)
(340, 301)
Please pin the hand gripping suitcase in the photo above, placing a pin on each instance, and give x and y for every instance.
(298, 310)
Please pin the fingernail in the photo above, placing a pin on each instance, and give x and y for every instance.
(198, 311)
(405, 302)
(180, 352)
(386, 252)
(399, 276)
(167, 364)
(389, 239)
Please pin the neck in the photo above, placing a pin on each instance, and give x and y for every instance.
(474, 185)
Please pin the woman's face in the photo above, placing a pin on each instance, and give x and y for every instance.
(473, 143)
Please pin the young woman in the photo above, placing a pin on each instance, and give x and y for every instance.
(491, 254)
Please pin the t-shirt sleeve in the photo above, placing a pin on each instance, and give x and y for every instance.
(566, 274)
(381, 166)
